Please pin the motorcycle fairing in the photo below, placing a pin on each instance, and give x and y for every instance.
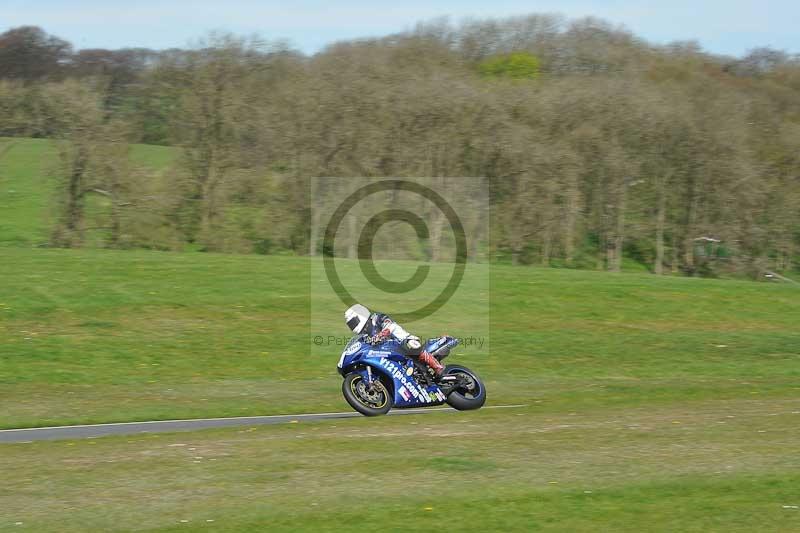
(387, 360)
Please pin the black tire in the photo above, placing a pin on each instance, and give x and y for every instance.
(463, 399)
(358, 399)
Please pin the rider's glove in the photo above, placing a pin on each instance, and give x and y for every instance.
(377, 339)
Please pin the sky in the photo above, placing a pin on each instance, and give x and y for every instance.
(729, 27)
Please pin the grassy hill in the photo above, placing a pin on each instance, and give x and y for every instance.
(660, 401)
(27, 189)
(91, 336)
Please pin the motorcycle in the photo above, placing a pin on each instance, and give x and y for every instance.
(379, 377)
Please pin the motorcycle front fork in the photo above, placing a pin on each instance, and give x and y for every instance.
(369, 378)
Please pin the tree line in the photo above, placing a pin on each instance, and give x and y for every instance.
(598, 146)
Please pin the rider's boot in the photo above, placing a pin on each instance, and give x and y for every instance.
(432, 362)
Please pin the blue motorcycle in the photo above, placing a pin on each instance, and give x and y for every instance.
(379, 377)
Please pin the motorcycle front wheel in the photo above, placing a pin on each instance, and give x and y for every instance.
(374, 401)
(471, 395)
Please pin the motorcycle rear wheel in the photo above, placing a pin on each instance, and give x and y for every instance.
(376, 402)
(466, 398)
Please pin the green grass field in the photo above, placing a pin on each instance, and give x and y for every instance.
(694, 466)
(673, 402)
(95, 336)
(658, 404)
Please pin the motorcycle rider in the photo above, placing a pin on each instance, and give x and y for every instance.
(380, 327)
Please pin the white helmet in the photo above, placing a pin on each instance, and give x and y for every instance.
(356, 318)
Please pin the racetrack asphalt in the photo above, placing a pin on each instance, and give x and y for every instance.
(90, 431)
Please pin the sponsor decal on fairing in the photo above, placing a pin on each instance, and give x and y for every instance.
(356, 346)
(350, 350)
(421, 395)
